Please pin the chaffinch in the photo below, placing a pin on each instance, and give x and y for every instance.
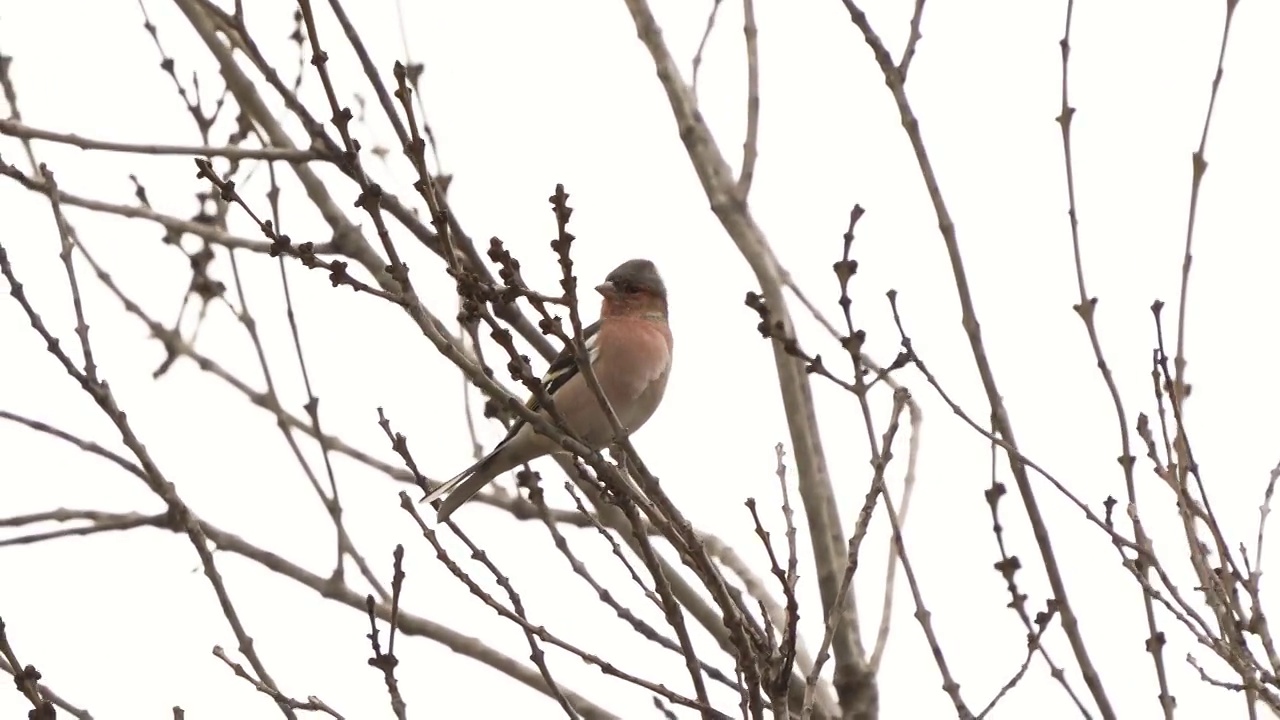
(630, 351)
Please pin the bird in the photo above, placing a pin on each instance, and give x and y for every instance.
(630, 349)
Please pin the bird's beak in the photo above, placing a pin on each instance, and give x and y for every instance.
(606, 288)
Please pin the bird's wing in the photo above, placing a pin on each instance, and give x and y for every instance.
(563, 369)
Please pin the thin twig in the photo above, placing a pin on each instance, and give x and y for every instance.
(750, 145)
(702, 44)
(969, 320)
(19, 130)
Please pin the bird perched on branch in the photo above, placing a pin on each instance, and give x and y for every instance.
(630, 351)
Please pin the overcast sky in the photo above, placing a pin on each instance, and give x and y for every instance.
(526, 95)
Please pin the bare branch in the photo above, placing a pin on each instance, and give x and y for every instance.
(815, 482)
(751, 145)
(19, 130)
(1004, 427)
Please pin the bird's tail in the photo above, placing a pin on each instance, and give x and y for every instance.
(463, 486)
(447, 486)
(465, 489)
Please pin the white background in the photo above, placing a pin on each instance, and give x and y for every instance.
(525, 95)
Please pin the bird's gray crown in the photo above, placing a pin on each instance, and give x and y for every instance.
(641, 273)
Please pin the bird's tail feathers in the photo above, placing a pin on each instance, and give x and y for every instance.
(464, 491)
(463, 486)
(447, 486)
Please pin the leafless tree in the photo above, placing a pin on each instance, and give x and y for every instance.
(758, 663)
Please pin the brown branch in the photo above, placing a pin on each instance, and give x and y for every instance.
(48, 694)
(909, 52)
(852, 677)
(702, 44)
(311, 704)
(407, 623)
(540, 632)
(969, 320)
(640, 627)
(1086, 308)
(174, 225)
(19, 130)
(26, 680)
(154, 478)
(1217, 595)
(750, 145)
(387, 661)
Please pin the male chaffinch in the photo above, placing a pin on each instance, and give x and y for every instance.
(630, 351)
